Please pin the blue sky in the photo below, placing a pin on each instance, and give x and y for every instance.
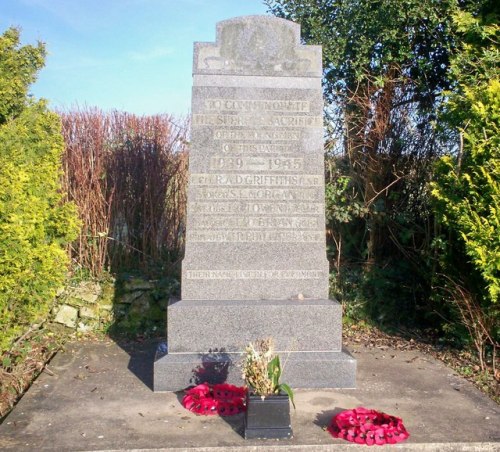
(131, 55)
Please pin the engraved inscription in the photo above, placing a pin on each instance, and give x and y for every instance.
(254, 274)
(255, 197)
(270, 208)
(243, 236)
(274, 180)
(216, 222)
(277, 194)
(256, 121)
(257, 135)
(218, 162)
(252, 105)
(258, 148)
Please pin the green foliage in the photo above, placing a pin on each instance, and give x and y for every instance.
(341, 206)
(389, 67)
(385, 67)
(274, 371)
(342, 209)
(467, 193)
(388, 296)
(392, 294)
(18, 70)
(466, 188)
(363, 39)
(35, 223)
(477, 58)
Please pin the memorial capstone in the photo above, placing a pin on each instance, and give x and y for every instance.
(255, 259)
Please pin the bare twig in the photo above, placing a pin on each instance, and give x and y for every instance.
(127, 176)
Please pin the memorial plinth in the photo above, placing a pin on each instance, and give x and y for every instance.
(255, 260)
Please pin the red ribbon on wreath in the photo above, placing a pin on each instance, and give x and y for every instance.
(221, 399)
(365, 426)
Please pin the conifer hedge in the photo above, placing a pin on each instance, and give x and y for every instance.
(35, 222)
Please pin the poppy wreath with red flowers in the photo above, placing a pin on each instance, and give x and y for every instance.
(365, 426)
(221, 399)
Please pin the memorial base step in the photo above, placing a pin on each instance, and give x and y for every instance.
(198, 326)
(206, 339)
(176, 371)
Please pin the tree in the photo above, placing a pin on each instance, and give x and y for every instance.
(385, 70)
(364, 40)
(466, 186)
(18, 70)
(35, 222)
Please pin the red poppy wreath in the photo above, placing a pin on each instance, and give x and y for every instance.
(221, 399)
(365, 426)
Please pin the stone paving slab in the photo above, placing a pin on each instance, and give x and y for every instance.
(98, 396)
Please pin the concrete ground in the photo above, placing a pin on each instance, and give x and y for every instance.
(98, 396)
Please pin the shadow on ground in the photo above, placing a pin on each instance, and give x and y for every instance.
(141, 358)
(324, 418)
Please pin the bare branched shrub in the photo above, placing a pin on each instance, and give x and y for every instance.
(127, 175)
(389, 149)
(380, 151)
(480, 322)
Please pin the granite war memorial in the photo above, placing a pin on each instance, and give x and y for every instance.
(255, 259)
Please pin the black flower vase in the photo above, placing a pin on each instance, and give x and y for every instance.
(268, 417)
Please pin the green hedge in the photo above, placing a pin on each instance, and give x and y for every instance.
(35, 223)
